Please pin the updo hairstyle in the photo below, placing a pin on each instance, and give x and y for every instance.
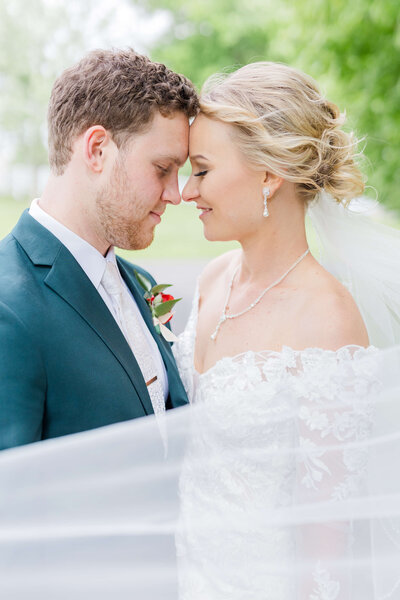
(282, 123)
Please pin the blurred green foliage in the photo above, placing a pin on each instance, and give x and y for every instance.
(351, 48)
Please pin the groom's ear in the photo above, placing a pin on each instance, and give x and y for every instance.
(96, 146)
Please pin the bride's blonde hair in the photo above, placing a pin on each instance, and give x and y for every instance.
(283, 124)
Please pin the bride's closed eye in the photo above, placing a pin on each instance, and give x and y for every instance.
(200, 174)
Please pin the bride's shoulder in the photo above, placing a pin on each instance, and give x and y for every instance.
(332, 318)
(215, 268)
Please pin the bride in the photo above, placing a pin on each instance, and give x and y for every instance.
(276, 350)
(266, 142)
(279, 481)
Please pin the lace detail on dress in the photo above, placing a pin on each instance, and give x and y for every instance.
(301, 414)
(326, 588)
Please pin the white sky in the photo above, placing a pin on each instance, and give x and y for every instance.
(130, 26)
(127, 25)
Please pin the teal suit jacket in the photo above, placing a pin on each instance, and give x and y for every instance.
(65, 366)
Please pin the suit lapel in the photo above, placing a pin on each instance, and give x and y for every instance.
(69, 281)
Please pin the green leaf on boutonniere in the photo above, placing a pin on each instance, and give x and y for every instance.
(143, 281)
(159, 288)
(157, 300)
(165, 307)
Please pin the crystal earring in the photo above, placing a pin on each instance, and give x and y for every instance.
(266, 193)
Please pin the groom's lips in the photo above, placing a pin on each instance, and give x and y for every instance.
(156, 216)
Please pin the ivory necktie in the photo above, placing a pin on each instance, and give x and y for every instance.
(134, 334)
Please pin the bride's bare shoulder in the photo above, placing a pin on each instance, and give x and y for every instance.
(331, 316)
(217, 267)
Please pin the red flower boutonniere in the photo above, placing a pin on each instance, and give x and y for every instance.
(160, 304)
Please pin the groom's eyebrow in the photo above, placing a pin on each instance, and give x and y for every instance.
(175, 159)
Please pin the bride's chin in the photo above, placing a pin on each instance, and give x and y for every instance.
(217, 236)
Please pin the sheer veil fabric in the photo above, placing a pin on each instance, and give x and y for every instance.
(278, 482)
(307, 506)
(365, 257)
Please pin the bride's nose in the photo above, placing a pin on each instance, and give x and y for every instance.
(190, 191)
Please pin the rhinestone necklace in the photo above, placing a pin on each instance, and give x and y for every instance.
(224, 317)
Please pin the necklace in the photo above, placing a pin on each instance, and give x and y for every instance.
(224, 317)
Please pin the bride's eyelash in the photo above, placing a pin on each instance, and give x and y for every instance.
(200, 174)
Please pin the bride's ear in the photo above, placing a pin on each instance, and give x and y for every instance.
(274, 182)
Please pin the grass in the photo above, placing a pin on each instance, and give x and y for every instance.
(179, 236)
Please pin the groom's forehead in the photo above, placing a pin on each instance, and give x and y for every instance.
(165, 132)
(173, 152)
(167, 141)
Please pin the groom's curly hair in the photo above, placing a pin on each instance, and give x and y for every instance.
(118, 89)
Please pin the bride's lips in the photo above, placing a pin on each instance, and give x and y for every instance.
(204, 211)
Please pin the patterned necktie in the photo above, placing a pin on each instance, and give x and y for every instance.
(134, 334)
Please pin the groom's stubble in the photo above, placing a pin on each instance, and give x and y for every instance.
(122, 213)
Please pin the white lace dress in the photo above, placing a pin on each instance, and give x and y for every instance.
(274, 434)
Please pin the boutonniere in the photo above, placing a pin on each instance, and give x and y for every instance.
(160, 304)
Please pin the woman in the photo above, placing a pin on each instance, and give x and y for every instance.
(276, 351)
(283, 142)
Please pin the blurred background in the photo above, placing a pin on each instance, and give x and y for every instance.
(351, 49)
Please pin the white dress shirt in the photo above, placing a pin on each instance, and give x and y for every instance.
(93, 264)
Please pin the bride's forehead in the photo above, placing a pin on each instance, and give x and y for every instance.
(210, 131)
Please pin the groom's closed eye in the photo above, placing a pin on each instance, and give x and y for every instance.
(164, 170)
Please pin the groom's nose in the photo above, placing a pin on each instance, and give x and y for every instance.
(171, 192)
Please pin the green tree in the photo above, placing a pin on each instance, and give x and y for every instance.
(352, 50)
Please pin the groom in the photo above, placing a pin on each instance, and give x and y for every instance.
(78, 349)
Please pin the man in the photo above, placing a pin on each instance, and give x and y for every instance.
(78, 349)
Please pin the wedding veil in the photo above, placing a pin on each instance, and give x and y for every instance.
(95, 515)
(365, 256)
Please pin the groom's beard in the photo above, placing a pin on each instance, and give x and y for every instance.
(123, 218)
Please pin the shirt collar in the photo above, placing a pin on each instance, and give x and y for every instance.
(90, 260)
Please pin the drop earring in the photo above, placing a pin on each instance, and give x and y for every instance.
(266, 193)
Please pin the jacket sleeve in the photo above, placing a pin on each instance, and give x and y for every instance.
(22, 383)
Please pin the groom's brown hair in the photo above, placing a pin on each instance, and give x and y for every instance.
(118, 89)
